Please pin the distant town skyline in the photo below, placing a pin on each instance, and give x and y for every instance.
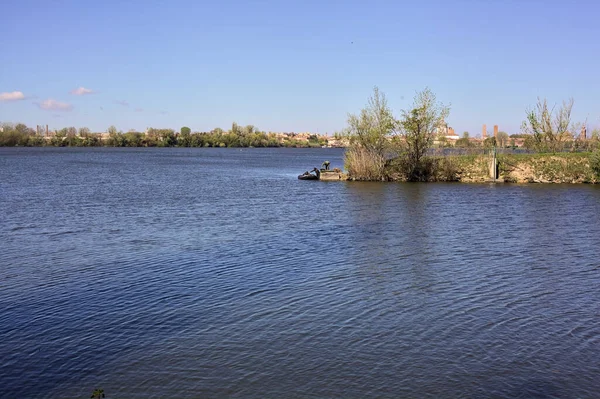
(292, 67)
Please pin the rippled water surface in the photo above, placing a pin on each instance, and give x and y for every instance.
(215, 273)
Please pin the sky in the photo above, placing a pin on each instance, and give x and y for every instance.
(292, 65)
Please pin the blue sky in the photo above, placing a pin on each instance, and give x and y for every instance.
(292, 66)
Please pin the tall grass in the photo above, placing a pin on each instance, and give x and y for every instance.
(363, 164)
(366, 165)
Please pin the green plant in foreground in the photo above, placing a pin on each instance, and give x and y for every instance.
(97, 394)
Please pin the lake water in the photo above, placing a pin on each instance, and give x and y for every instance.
(215, 273)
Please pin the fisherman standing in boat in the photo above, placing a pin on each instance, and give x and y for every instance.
(326, 165)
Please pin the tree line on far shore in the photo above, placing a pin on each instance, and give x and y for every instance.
(237, 136)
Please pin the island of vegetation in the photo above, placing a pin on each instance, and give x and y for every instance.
(380, 146)
(383, 147)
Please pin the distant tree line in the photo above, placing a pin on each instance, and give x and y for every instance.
(237, 136)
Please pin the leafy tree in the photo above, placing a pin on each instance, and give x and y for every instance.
(19, 134)
(236, 129)
(594, 141)
(549, 127)
(133, 139)
(490, 142)
(418, 127)
(463, 142)
(230, 140)
(21, 129)
(372, 127)
(529, 143)
(184, 139)
(443, 142)
(198, 139)
(84, 132)
(368, 133)
(72, 140)
(71, 131)
(503, 139)
(249, 129)
(58, 139)
(167, 137)
(9, 136)
(115, 139)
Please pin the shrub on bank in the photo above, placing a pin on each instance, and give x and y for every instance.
(447, 169)
(404, 168)
(429, 169)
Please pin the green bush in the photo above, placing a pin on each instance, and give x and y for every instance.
(447, 169)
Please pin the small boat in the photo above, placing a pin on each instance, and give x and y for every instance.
(309, 176)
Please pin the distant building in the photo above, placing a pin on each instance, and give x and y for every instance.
(518, 142)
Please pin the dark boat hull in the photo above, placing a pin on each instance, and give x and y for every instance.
(308, 177)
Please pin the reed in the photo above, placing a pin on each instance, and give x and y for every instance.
(363, 164)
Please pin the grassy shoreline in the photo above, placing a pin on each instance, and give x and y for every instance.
(572, 168)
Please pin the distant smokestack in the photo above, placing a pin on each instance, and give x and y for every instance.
(496, 131)
(483, 132)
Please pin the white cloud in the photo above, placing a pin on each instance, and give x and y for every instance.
(139, 110)
(53, 105)
(81, 91)
(12, 96)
